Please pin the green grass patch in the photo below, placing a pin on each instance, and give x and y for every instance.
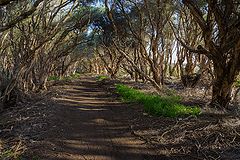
(53, 78)
(71, 77)
(168, 106)
(101, 77)
(76, 75)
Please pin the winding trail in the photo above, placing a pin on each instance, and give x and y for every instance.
(91, 125)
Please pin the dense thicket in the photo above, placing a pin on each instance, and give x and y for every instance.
(148, 40)
(39, 39)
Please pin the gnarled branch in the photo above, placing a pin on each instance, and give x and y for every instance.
(21, 17)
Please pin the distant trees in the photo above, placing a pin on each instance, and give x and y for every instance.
(105, 48)
(157, 31)
(145, 43)
(192, 65)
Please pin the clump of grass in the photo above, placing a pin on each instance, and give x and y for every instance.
(53, 78)
(156, 105)
(72, 76)
(76, 75)
(101, 77)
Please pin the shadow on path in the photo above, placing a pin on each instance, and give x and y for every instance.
(90, 125)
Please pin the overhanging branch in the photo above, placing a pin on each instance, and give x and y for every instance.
(21, 17)
(199, 50)
(196, 12)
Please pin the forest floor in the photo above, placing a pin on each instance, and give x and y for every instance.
(84, 119)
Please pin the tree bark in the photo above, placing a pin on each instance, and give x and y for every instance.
(225, 76)
(221, 93)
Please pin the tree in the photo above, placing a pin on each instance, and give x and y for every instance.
(192, 66)
(147, 35)
(219, 21)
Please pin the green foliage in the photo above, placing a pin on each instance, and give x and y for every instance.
(155, 105)
(7, 154)
(53, 78)
(71, 77)
(11, 154)
(237, 83)
(101, 77)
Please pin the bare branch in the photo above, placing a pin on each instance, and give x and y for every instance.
(196, 12)
(199, 50)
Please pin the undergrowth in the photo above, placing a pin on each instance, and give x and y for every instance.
(53, 78)
(12, 154)
(72, 76)
(237, 83)
(57, 78)
(168, 106)
(101, 77)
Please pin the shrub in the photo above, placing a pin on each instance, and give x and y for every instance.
(168, 106)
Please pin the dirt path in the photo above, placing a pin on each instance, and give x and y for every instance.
(81, 120)
(90, 124)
